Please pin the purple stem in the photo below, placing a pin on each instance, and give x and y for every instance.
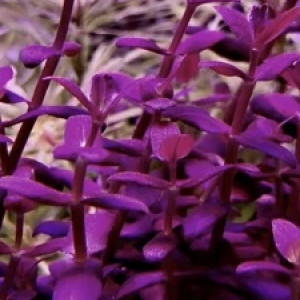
(169, 59)
(242, 99)
(77, 209)
(168, 222)
(19, 231)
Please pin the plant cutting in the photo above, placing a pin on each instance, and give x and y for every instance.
(197, 199)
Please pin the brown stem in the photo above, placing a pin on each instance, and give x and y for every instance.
(9, 276)
(169, 59)
(19, 231)
(78, 232)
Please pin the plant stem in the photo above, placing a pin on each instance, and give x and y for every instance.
(168, 222)
(19, 231)
(77, 209)
(41, 87)
(78, 231)
(241, 99)
(9, 276)
(113, 237)
(180, 30)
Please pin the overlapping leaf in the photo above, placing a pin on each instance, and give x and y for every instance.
(140, 281)
(268, 147)
(78, 286)
(175, 147)
(196, 117)
(35, 191)
(287, 239)
(199, 41)
(223, 68)
(140, 43)
(238, 24)
(274, 66)
(140, 179)
(116, 201)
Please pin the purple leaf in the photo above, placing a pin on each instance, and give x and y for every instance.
(199, 2)
(275, 106)
(65, 177)
(77, 131)
(78, 286)
(276, 26)
(158, 104)
(200, 220)
(274, 66)
(259, 15)
(267, 288)
(74, 90)
(212, 99)
(97, 227)
(35, 191)
(140, 43)
(252, 252)
(52, 228)
(196, 117)
(71, 48)
(116, 201)
(188, 68)
(287, 239)
(205, 174)
(223, 68)
(49, 247)
(160, 131)
(10, 97)
(34, 55)
(175, 147)
(54, 111)
(268, 147)
(199, 41)
(140, 179)
(131, 147)
(139, 281)
(237, 23)
(4, 139)
(6, 74)
(137, 229)
(251, 267)
(159, 247)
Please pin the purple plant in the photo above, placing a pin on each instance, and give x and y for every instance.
(191, 206)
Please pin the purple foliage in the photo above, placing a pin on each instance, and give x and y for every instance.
(201, 202)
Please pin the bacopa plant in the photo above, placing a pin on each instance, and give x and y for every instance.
(200, 202)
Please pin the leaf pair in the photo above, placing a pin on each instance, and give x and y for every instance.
(33, 56)
(194, 44)
(262, 31)
(268, 70)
